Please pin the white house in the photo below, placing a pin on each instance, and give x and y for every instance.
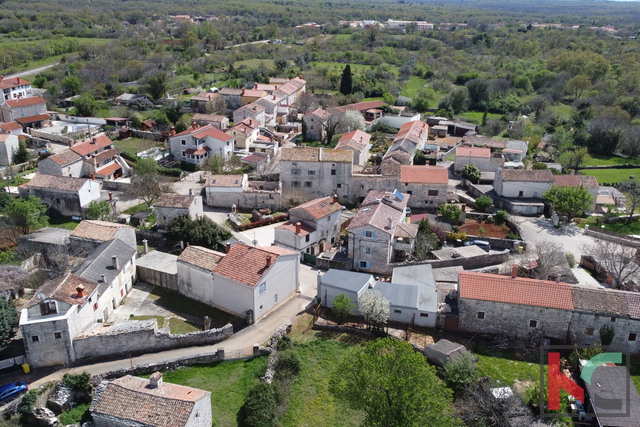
(197, 144)
(14, 88)
(8, 148)
(247, 281)
(13, 128)
(227, 187)
(244, 132)
(481, 157)
(522, 183)
(170, 206)
(358, 142)
(516, 150)
(65, 195)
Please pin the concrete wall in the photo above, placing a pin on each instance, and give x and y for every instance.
(289, 240)
(407, 314)
(513, 188)
(196, 283)
(158, 278)
(8, 149)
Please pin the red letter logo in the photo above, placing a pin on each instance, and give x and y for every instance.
(558, 380)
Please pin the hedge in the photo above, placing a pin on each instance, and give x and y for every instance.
(170, 172)
(190, 167)
(268, 221)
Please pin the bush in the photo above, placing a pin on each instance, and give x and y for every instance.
(260, 406)
(78, 382)
(186, 166)
(453, 236)
(511, 236)
(502, 216)
(571, 259)
(175, 172)
(458, 373)
(25, 407)
(539, 166)
(79, 414)
(287, 366)
(130, 157)
(490, 220)
(483, 202)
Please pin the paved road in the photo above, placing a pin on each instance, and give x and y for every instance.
(31, 71)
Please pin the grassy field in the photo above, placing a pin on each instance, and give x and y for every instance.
(599, 160)
(131, 146)
(505, 367)
(611, 175)
(355, 68)
(254, 63)
(476, 116)
(413, 86)
(562, 110)
(63, 222)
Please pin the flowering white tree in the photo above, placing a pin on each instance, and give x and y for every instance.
(374, 307)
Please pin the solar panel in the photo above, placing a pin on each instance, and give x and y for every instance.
(398, 195)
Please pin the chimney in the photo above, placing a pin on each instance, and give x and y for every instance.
(255, 85)
(227, 247)
(390, 222)
(173, 131)
(191, 191)
(514, 271)
(155, 380)
(268, 260)
(335, 198)
(80, 290)
(194, 125)
(110, 195)
(558, 277)
(115, 263)
(298, 224)
(93, 176)
(93, 140)
(70, 143)
(145, 243)
(104, 278)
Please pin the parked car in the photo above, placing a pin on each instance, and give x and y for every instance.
(480, 243)
(11, 390)
(407, 210)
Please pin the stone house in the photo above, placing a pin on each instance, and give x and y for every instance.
(23, 108)
(199, 102)
(588, 182)
(12, 128)
(496, 145)
(14, 88)
(64, 163)
(251, 95)
(68, 305)
(232, 97)
(253, 111)
(411, 137)
(245, 132)
(312, 228)
(358, 142)
(132, 401)
(170, 206)
(314, 124)
(215, 120)
(427, 185)
(481, 157)
(8, 147)
(197, 144)
(226, 186)
(516, 150)
(309, 173)
(291, 90)
(90, 234)
(372, 232)
(247, 281)
(63, 195)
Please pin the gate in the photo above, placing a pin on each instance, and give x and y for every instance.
(451, 323)
(309, 259)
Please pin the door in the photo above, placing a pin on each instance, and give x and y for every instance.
(451, 324)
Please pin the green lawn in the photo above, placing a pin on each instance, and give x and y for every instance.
(476, 116)
(504, 367)
(136, 208)
(611, 175)
(132, 146)
(63, 222)
(413, 86)
(255, 63)
(599, 160)
(562, 110)
(159, 319)
(355, 68)
(179, 326)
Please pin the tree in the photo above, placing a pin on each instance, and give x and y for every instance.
(451, 212)
(478, 93)
(99, 210)
(614, 260)
(577, 85)
(351, 120)
(606, 332)
(8, 322)
(574, 159)
(393, 385)
(5, 199)
(483, 203)
(22, 155)
(72, 85)
(631, 189)
(568, 201)
(630, 146)
(471, 173)
(346, 82)
(306, 101)
(157, 85)
(331, 126)
(147, 184)
(460, 372)
(85, 105)
(260, 406)
(342, 306)
(172, 110)
(547, 256)
(201, 232)
(427, 240)
(23, 216)
(374, 307)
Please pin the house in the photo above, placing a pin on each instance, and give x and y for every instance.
(232, 97)
(47, 240)
(314, 124)
(66, 306)
(148, 125)
(291, 90)
(171, 205)
(244, 132)
(309, 173)
(256, 160)
(130, 98)
(12, 128)
(411, 137)
(130, 400)
(216, 120)
(427, 185)
(610, 196)
(461, 128)
(224, 186)
(516, 150)
(364, 107)
(265, 145)
(64, 163)
(8, 146)
(481, 157)
(496, 145)
(247, 281)
(575, 181)
(253, 111)
(341, 282)
(199, 102)
(92, 233)
(197, 144)
(312, 228)
(522, 190)
(251, 95)
(358, 142)
(23, 108)
(372, 232)
(14, 88)
(64, 195)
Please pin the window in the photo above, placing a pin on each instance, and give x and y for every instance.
(328, 218)
(95, 306)
(397, 311)
(433, 192)
(183, 154)
(260, 308)
(613, 319)
(183, 142)
(480, 315)
(57, 335)
(533, 323)
(369, 234)
(295, 171)
(308, 184)
(48, 307)
(410, 192)
(368, 251)
(632, 336)
(295, 184)
(520, 193)
(57, 200)
(424, 314)
(35, 338)
(333, 171)
(363, 264)
(339, 185)
(589, 331)
(275, 298)
(362, 188)
(311, 172)
(262, 288)
(306, 238)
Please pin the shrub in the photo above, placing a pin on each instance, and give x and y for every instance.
(186, 166)
(25, 407)
(260, 406)
(512, 237)
(453, 236)
(502, 216)
(483, 202)
(539, 166)
(571, 259)
(460, 372)
(78, 382)
(175, 172)
(490, 220)
(481, 231)
(79, 414)
(287, 366)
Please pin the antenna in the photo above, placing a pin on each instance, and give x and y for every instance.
(255, 242)
(41, 296)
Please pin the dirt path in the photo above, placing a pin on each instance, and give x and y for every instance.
(31, 71)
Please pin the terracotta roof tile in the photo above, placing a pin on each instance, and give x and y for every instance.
(376, 211)
(292, 86)
(64, 289)
(201, 257)
(600, 301)
(473, 152)
(108, 170)
(97, 230)
(55, 182)
(356, 139)
(207, 130)
(25, 102)
(101, 141)
(247, 264)
(341, 156)
(415, 132)
(204, 96)
(318, 208)
(633, 301)
(424, 174)
(214, 118)
(171, 200)
(224, 181)
(492, 287)
(406, 230)
(131, 399)
(230, 91)
(10, 126)
(363, 106)
(544, 175)
(11, 82)
(32, 119)
(253, 159)
(103, 155)
(485, 142)
(576, 181)
(65, 157)
(291, 226)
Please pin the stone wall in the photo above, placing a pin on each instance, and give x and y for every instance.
(118, 184)
(582, 323)
(247, 200)
(612, 236)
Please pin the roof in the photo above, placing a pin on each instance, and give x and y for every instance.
(202, 150)
(348, 280)
(300, 154)
(25, 102)
(253, 159)
(253, 93)
(610, 383)
(355, 139)
(149, 123)
(65, 157)
(10, 126)
(291, 226)
(493, 287)
(97, 230)
(576, 181)
(399, 295)
(318, 208)
(424, 174)
(415, 131)
(245, 126)
(224, 181)
(414, 274)
(473, 152)
(200, 257)
(341, 156)
(171, 200)
(378, 208)
(484, 141)
(363, 106)
(204, 96)
(103, 155)
(230, 91)
(131, 398)
(108, 170)
(63, 289)
(408, 231)
(600, 301)
(32, 119)
(265, 87)
(100, 263)
(50, 235)
(292, 86)
(11, 82)
(55, 182)
(518, 175)
(203, 131)
(97, 143)
(215, 118)
(255, 262)
(320, 112)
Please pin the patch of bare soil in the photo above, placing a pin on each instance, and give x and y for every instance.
(471, 227)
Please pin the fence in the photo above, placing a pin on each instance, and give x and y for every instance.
(7, 363)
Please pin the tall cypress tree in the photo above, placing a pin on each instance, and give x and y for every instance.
(346, 83)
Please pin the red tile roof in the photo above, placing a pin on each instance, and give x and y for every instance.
(10, 126)
(245, 126)
(207, 130)
(493, 287)
(32, 119)
(318, 208)
(224, 181)
(473, 152)
(424, 174)
(108, 170)
(198, 151)
(253, 159)
(109, 153)
(201, 257)
(576, 181)
(64, 289)
(101, 141)
(364, 106)
(291, 226)
(247, 264)
(97, 230)
(413, 131)
(356, 139)
(25, 102)
(8, 83)
(376, 211)
(65, 157)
